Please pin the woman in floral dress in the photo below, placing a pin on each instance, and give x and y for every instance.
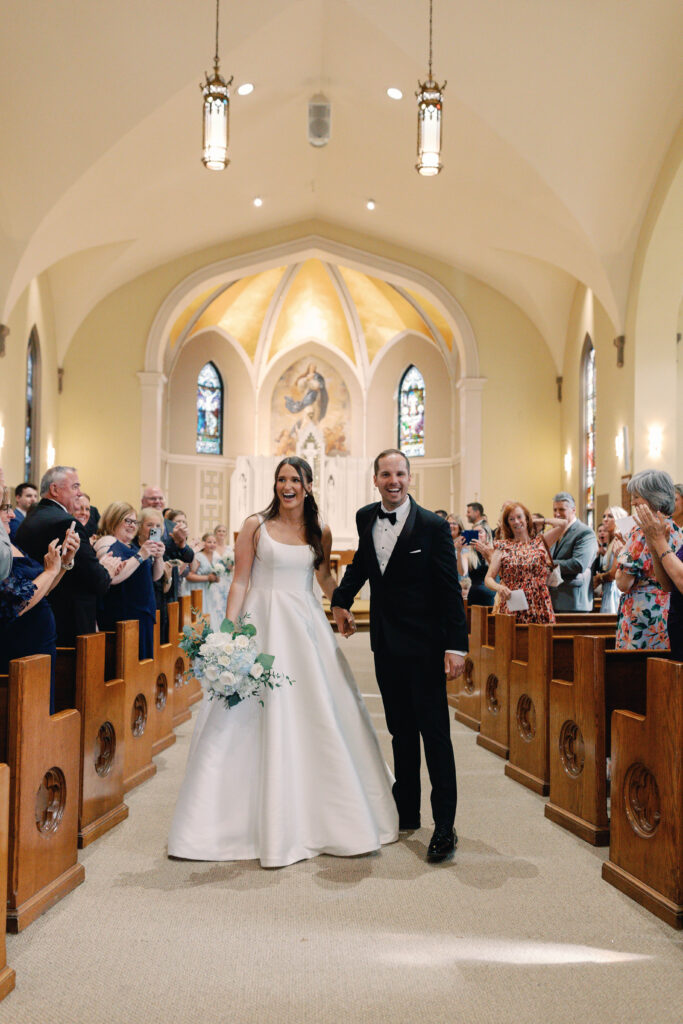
(644, 610)
(522, 562)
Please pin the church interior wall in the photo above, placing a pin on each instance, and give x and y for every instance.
(614, 408)
(34, 309)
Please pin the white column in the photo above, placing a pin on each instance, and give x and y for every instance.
(152, 387)
(470, 401)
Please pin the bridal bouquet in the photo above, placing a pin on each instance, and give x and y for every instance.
(229, 661)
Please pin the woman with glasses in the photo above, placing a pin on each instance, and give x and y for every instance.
(131, 595)
(27, 623)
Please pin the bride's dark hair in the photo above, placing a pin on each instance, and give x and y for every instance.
(312, 529)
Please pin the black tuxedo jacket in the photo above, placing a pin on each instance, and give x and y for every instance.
(416, 607)
(74, 599)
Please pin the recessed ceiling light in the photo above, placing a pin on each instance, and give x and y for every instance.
(394, 94)
(370, 205)
(245, 89)
(258, 201)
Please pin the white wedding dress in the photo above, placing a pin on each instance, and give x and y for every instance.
(303, 774)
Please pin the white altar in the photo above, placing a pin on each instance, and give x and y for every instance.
(341, 486)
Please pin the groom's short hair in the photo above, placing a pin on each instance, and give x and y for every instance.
(391, 451)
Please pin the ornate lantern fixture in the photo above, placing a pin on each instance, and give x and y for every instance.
(429, 113)
(216, 109)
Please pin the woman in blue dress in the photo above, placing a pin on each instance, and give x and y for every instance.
(131, 594)
(27, 625)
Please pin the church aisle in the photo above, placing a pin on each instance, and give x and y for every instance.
(519, 928)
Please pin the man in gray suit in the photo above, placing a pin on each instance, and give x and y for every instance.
(574, 552)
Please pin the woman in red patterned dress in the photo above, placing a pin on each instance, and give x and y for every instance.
(522, 562)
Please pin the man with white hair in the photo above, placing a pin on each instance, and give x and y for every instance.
(574, 552)
(74, 601)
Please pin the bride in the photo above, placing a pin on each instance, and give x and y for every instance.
(303, 774)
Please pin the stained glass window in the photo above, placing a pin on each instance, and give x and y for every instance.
(209, 411)
(411, 413)
(588, 396)
(30, 432)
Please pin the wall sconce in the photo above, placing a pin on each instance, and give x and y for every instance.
(619, 446)
(568, 463)
(655, 441)
(51, 454)
(2, 437)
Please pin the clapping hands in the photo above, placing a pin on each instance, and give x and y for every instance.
(112, 564)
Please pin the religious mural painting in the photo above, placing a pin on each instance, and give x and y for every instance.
(310, 393)
(411, 413)
(209, 411)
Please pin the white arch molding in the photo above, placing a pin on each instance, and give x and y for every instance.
(159, 359)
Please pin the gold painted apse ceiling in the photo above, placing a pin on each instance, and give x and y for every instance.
(279, 309)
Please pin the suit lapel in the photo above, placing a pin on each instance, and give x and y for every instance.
(403, 542)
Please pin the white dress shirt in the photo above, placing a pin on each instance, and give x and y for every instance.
(385, 534)
(384, 537)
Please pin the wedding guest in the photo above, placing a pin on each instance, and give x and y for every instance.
(220, 532)
(226, 553)
(607, 571)
(678, 505)
(668, 569)
(27, 624)
(25, 497)
(523, 563)
(93, 519)
(474, 513)
(644, 610)
(178, 551)
(82, 510)
(5, 546)
(205, 578)
(574, 553)
(152, 517)
(473, 565)
(441, 513)
(131, 595)
(74, 602)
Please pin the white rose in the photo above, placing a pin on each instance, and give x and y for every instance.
(241, 641)
(228, 681)
(256, 670)
(218, 639)
(224, 659)
(211, 672)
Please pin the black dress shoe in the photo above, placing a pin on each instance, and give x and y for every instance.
(409, 825)
(441, 845)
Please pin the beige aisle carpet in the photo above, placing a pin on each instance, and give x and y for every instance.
(518, 928)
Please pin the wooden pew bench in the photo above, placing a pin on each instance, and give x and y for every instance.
(100, 701)
(579, 732)
(646, 836)
(465, 692)
(140, 690)
(43, 754)
(7, 978)
(541, 652)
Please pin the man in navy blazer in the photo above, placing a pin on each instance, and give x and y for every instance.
(575, 553)
(418, 634)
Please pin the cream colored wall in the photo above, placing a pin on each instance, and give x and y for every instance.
(33, 308)
(614, 408)
(100, 407)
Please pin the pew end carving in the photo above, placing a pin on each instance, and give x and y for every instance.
(140, 693)
(467, 689)
(44, 763)
(165, 656)
(646, 846)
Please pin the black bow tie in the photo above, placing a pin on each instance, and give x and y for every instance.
(391, 516)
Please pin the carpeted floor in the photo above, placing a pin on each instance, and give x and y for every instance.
(519, 928)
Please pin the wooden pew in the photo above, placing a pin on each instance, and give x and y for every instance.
(101, 704)
(466, 690)
(165, 656)
(43, 754)
(6, 973)
(494, 676)
(646, 841)
(545, 651)
(181, 704)
(194, 687)
(579, 732)
(139, 679)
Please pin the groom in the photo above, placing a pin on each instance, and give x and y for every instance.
(418, 634)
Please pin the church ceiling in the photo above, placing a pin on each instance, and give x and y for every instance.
(558, 118)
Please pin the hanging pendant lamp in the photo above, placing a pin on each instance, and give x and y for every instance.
(429, 115)
(216, 113)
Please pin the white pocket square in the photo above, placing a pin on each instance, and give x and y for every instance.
(417, 551)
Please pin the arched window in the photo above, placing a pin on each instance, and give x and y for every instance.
(209, 411)
(411, 413)
(588, 435)
(32, 404)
